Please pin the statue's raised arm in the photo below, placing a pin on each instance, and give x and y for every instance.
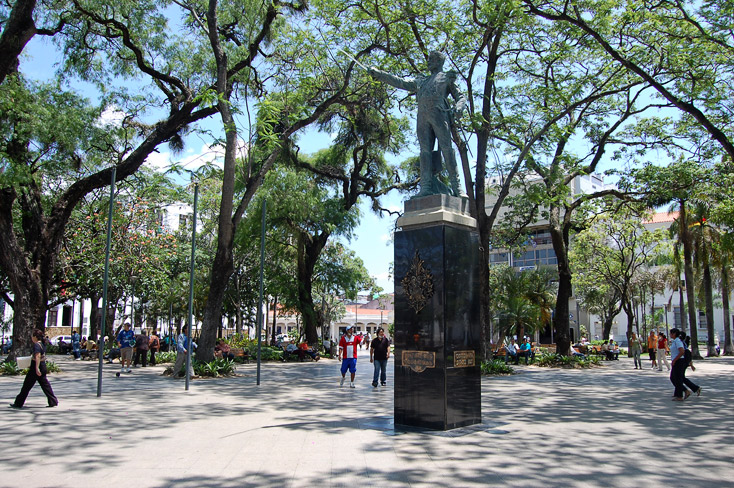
(434, 122)
(403, 84)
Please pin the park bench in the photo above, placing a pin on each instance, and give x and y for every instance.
(241, 353)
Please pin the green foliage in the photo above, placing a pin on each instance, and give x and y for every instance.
(521, 300)
(9, 368)
(559, 361)
(165, 357)
(217, 367)
(496, 367)
(267, 353)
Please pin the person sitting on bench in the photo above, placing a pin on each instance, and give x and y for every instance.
(573, 352)
(511, 350)
(526, 350)
(222, 350)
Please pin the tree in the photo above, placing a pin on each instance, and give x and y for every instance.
(20, 25)
(608, 258)
(674, 184)
(523, 300)
(702, 235)
(724, 262)
(142, 251)
(295, 103)
(679, 48)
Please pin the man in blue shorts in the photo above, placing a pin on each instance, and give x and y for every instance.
(348, 354)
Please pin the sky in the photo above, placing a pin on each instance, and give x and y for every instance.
(372, 240)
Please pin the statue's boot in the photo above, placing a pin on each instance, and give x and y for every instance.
(426, 182)
(455, 186)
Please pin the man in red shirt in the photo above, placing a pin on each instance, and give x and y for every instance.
(348, 354)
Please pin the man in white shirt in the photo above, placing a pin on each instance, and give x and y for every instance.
(677, 372)
(511, 350)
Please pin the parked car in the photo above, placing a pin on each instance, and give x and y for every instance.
(55, 340)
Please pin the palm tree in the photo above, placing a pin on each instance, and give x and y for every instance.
(702, 237)
(680, 227)
(523, 300)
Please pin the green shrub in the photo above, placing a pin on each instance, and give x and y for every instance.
(10, 368)
(218, 367)
(496, 367)
(560, 361)
(165, 357)
(52, 368)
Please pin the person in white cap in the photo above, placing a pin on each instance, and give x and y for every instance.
(348, 354)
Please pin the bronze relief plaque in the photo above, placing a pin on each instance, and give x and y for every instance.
(464, 359)
(419, 361)
(418, 284)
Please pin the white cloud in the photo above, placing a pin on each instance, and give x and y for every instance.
(112, 115)
(385, 237)
(193, 159)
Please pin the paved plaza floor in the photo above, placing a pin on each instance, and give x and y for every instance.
(610, 426)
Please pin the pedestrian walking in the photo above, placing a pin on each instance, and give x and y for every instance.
(154, 344)
(652, 347)
(141, 348)
(677, 373)
(636, 350)
(126, 341)
(76, 345)
(688, 358)
(182, 348)
(348, 354)
(379, 354)
(36, 373)
(662, 352)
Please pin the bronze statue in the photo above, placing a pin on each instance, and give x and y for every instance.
(435, 118)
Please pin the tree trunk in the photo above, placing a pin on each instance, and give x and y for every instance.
(238, 319)
(630, 317)
(223, 265)
(485, 293)
(309, 250)
(688, 273)
(18, 30)
(682, 309)
(94, 318)
(110, 325)
(29, 313)
(81, 316)
(607, 327)
(559, 238)
(725, 292)
(708, 289)
(275, 308)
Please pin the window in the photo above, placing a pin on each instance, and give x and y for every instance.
(52, 318)
(676, 318)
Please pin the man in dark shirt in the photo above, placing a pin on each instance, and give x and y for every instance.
(379, 354)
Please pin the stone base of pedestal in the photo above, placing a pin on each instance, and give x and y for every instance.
(437, 330)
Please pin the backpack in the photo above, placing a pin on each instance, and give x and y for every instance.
(687, 356)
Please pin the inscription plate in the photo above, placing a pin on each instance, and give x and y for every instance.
(418, 361)
(464, 359)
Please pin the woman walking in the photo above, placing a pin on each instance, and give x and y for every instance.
(662, 350)
(37, 372)
(636, 350)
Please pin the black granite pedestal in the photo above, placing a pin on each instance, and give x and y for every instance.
(437, 376)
